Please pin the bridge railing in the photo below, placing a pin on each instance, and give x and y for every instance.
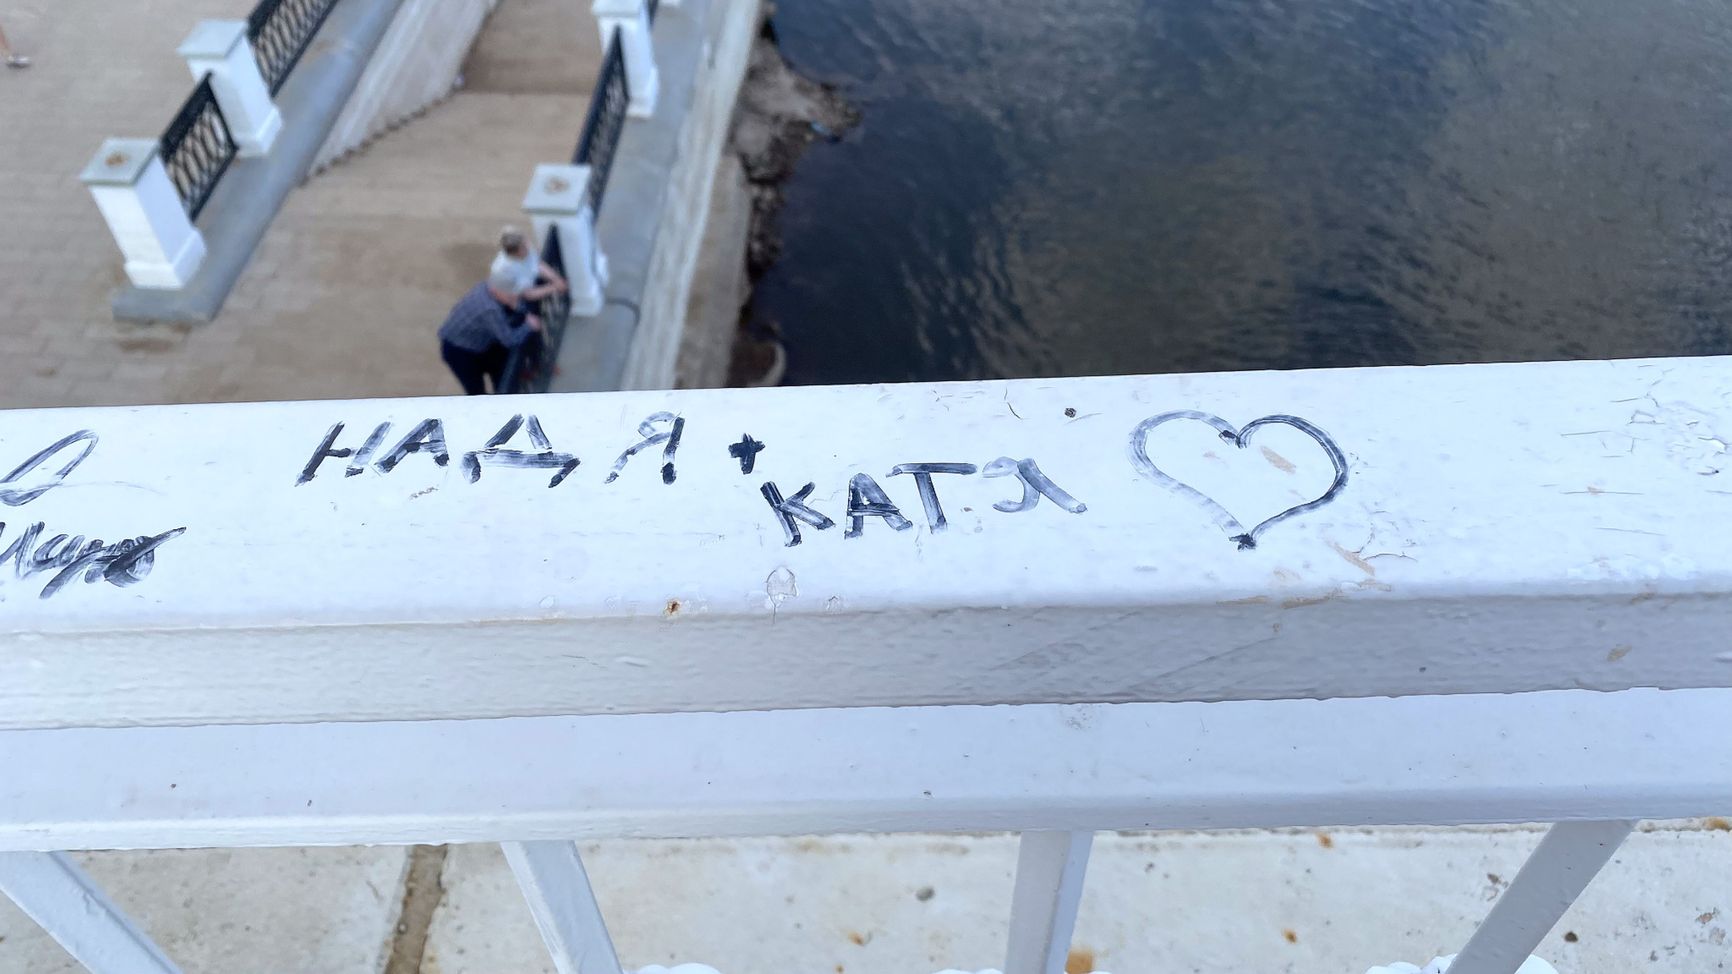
(530, 366)
(603, 123)
(151, 191)
(1349, 598)
(281, 31)
(197, 148)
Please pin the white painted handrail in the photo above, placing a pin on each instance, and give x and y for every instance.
(1153, 571)
(614, 553)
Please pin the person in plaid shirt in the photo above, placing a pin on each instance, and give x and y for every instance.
(482, 327)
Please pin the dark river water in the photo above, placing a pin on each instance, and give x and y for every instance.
(1066, 187)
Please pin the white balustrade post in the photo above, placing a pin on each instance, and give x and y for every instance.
(557, 889)
(558, 199)
(1566, 861)
(631, 19)
(1049, 882)
(219, 48)
(53, 891)
(144, 212)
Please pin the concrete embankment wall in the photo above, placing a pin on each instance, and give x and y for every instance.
(415, 66)
(733, 25)
(652, 221)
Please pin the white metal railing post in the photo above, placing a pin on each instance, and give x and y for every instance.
(1563, 865)
(53, 891)
(551, 875)
(1049, 884)
(219, 48)
(144, 212)
(631, 19)
(558, 199)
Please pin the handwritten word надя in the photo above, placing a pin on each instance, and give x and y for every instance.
(428, 436)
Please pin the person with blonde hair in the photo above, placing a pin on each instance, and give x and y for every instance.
(13, 59)
(535, 279)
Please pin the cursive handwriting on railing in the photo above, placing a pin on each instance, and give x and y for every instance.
(663, 433)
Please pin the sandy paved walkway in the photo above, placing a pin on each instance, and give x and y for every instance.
(344, 295)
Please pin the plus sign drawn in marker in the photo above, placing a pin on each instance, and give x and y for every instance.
(746, 451)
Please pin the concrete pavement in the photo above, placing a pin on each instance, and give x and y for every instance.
(1333, 902)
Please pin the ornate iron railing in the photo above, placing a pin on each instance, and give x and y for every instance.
(280, 31)
(529, 367)
(197, 148)
(599, 138)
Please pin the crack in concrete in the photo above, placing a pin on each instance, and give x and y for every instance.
(422, 892)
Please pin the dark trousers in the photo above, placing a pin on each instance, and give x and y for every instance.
(472, 368)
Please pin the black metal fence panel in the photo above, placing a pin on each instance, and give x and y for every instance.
(197, 148)
(530, 366)
(280, 31)
(599, 139)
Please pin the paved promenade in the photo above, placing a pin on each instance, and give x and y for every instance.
(344, 295)
(1178, 903)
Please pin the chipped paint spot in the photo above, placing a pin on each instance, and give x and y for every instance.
(779, 586)
(1080, 960)
(1618, 652)
(1278, 461)
(1353, 558)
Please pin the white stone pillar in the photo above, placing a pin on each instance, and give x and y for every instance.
(558, 198)
(144, 212)
(219, 48)
(631, 19)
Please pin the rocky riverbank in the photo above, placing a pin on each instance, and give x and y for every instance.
(779, 115)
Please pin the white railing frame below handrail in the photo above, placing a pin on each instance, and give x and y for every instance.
(1405, 596)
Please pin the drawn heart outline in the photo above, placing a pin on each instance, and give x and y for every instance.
(1224, 519)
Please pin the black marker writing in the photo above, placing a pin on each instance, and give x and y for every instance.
(792, 509)
(13, 497)
(746, 451)
(1034, 484)
(669, 439)
(326, 448)
(122, 563)
(358, 463)
(428, 437)
(867, 499)
(928, 493)
(1223, 518)
(544, 456)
